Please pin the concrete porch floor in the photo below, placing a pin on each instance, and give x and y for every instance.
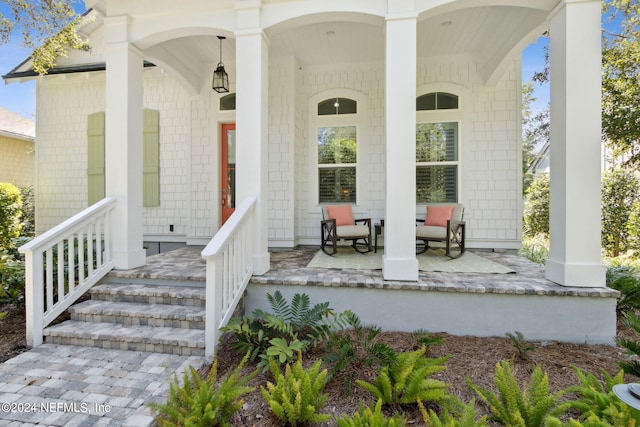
(457, 303)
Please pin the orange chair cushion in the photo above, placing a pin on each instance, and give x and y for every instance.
(438, 215)
(342, 214)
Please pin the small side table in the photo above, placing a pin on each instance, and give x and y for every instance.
(378, 230)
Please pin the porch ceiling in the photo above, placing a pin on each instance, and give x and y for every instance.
(492, 36)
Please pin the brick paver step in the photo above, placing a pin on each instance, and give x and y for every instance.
(130, 313)
(186, 342)
(150, 294)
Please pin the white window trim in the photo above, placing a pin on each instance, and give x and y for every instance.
(315, 121)
(448, 162)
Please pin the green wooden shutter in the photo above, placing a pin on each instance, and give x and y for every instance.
(95, 158)
(151, 159)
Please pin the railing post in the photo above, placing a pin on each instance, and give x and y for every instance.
(34, 297)
(213, 306)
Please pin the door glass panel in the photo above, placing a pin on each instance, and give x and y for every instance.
(231, 168)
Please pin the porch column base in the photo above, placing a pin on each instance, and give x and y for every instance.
(405, 269)
(579, 275)
(261, 263)
(130, 259)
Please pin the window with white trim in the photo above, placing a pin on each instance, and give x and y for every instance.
(337, 151)
(436, 151)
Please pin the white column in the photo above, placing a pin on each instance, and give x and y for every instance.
(399, 262)
(252, 108)
(123, 143)
(574, 258)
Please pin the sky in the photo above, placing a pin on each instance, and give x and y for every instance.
(20, 97)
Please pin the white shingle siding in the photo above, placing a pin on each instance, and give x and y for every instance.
(189, 149)
(17, 161)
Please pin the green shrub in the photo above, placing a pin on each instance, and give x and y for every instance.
(626, 280)
(632, 365)
(199, 402)
(633, 228)
(12, 270)
(10, 214)
(355, 347)
(406, 380)
(467, 417)
(620, 190)
(28, 212)
(296, 396)
(426, 338)
(536, 206)
(597, 404)
(535, 248)
(520, 408)
(365, 417)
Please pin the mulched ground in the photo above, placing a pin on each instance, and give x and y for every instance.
(470, 357)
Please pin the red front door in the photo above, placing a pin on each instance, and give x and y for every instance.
(228, 170)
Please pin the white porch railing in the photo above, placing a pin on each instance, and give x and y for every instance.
(63, 263)
(229, 268)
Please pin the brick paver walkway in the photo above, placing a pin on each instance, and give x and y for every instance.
(62, 385)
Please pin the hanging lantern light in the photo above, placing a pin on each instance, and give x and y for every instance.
(220, 76)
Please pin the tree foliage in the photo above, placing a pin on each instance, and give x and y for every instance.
(46, 27)
(620, 190)
(536, 206)
(621, 80)
(10, 214)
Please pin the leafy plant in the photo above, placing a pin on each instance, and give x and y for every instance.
(516, 407)
(291, 328)
(199, 402)
(365, 417)
(10, 214)
(536, 206)
(282, 350)
(467, 417)
(626, 280)
(535, 248)
(296, 396)
(355, 347)
(620, 189)
(631, 366)
(596, 401)
(597, 404)
(426, 338)
(520, 343)
(312, 323)
(406, 380)
(12, 283)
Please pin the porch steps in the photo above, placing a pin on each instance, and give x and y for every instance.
(139, 317)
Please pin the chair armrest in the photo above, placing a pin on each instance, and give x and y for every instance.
(455, 225)
(365, 221)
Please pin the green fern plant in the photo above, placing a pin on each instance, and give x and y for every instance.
(466, 418)
(355, 347)
(595, 401)
(406, 380)
(366, 417)
(516, 407)
(296, 396)
(199, 402)
(521, 344)
(630, 366)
